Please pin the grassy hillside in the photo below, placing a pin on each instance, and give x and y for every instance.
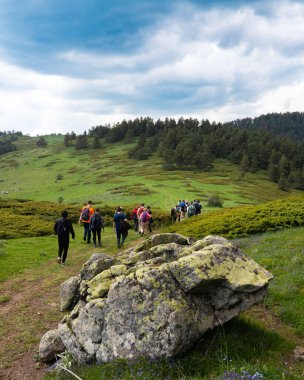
(108, 176)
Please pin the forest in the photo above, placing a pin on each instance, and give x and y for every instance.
(272, 142)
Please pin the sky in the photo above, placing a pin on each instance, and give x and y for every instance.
(69, 65)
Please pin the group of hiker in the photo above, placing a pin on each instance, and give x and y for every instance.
(185, 209)
(93, 223)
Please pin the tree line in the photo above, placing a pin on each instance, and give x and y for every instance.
(189, 144)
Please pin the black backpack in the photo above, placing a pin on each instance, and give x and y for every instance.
(62, 228)
(97, 222)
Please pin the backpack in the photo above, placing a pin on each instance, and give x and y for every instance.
(62, 229)
(85, 214)
(96, 221)
(191, 210)
(144, 216)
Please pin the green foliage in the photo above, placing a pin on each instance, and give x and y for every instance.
(245, 220)
(41, 142)
(214, 201)
(82, 142)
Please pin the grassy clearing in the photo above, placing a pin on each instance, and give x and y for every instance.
(282, 253)
(108, 176)
(17, 255)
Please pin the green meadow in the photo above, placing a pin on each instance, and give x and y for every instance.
(265, 222)
(109, 177)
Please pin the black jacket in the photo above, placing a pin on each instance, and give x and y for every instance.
(63, 228)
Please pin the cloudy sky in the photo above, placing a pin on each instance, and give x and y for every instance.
(68, 65)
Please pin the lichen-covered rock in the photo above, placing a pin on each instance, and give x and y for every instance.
(50, 346)
(156, 299)
(69, 293)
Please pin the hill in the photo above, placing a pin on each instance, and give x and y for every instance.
(108, 176)
(290, 124)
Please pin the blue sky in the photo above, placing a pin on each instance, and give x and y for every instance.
(68, 65)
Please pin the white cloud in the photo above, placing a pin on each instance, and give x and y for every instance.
(222, 63)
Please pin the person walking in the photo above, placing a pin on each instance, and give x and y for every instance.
(119, 218)
(63, 228)
(135, 218)
(85, 218)
(140, 210)
(150, 219)
(144, 220)
(96, 224)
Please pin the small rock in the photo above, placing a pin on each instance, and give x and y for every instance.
(50, 346)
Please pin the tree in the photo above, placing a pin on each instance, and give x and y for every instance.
(82, 142)
(96, 143)
(41, 142)
(245, 163)
(67, 140)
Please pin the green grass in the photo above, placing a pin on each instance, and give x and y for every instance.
(108, 176)
(282, 253)
(20, 254)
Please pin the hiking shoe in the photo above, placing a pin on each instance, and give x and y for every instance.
(58, 260)
(62, 263)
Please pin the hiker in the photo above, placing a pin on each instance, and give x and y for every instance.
(183, 208)
(139, 212)
(125, 227)
(85, 218)
(173, 214)
(144, 220)
(135, 218)
(178, 212)
(191, 210)
(198, 207)
(96, 224)
(150, 220)
(63, 228)
(119, 218)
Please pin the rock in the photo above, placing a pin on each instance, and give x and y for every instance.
(68, 293)
(156, 299)
(50, 346)
(299, 353)
(96, 264)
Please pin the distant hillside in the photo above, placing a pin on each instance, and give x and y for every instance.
(106, 175)
(267, 143)
(290, 124)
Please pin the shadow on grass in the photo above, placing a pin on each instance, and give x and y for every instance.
(240, 345)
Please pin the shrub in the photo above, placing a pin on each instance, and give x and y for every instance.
(214, 201)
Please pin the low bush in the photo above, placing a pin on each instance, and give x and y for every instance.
(214, 201)
(245, 220)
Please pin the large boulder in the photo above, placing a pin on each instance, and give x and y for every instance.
(156, 299)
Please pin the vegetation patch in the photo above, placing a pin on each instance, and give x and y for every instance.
(245, 220)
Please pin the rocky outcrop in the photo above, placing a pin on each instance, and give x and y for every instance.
(156, 299)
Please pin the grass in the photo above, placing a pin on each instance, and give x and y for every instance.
(108, 176)
(282, 253)
(260, 340)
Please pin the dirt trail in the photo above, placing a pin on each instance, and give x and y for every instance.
(32, 309)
